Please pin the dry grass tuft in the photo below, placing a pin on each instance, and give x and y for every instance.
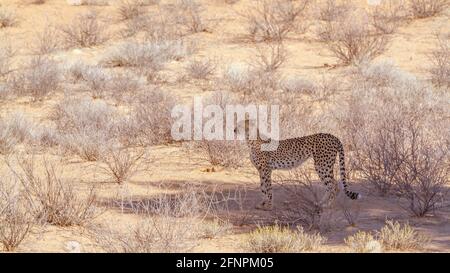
(396, 236)
(275, 239)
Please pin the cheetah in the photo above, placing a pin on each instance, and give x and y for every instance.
(291, 153)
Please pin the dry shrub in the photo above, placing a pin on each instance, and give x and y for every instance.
(88, 2)
(230, 2)
(273, 20)
(396, 147)
(389, 15)
(97, 82)
(297, 84)
(88, 145)
(306, 209)
(47, 41)
(396, 236)
(74, 72)
(227, 202)
(44, 136)
(102, 83)
(94, 2)
(39, 79)
(270, 57)
(7, 141)
(16, 220)
(17, 129)
(71, 115)
(320, 90)
(276, 239)
(363, 242)
(427, 8)
(53, 199)
(169, 223)
(34, 2)
(6, 56)
(150, 119)
(3, 91)
(85, 30)
(350, 209)
(393, 236)
(332, 10)
(201, 69)
(148, 2)
(145, 58)
(219, 152)
(121, 164)
(124, 87)
(249, 83)
(214, 229)
(153, 26)
(129, 9)
(17, 126)
(380, 161)
(86, 127)
(424, 172)
(440, 60)
(187, 15)
(8, 18)
(351, 39)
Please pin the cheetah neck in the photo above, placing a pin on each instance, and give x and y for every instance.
(256, 143)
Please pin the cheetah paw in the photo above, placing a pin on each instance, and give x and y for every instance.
(264, 206)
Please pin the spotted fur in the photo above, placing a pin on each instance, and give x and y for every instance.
(291, 153)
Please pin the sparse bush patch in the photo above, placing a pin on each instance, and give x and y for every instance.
(7, 141)
(274, 239)
(389, 15)
(201, 69)
(396, 236)
(169, 223)
(85, 30)
(86, 127)
(427, 8)
(363, 242)
(150, 121)
(97, 81)
(121, 164)
(38, 80)
(6, 56)
(273, 20)
(440, 59)
(16, 220)
(270, 57)
(46, 41)
(388, 144)
(298, 85)
(145, 58)
(54, 200)
(351, 39)
(129, 9)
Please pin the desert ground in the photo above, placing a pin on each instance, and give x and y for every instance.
(87, 163)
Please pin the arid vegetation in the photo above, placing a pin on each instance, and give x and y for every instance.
(86, 98)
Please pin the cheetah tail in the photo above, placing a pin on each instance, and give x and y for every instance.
(350, 194)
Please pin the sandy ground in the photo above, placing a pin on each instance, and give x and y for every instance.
(172, 166)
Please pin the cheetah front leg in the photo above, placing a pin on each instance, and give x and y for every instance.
(266, 188)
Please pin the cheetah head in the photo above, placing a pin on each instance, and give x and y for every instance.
(248, 128)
